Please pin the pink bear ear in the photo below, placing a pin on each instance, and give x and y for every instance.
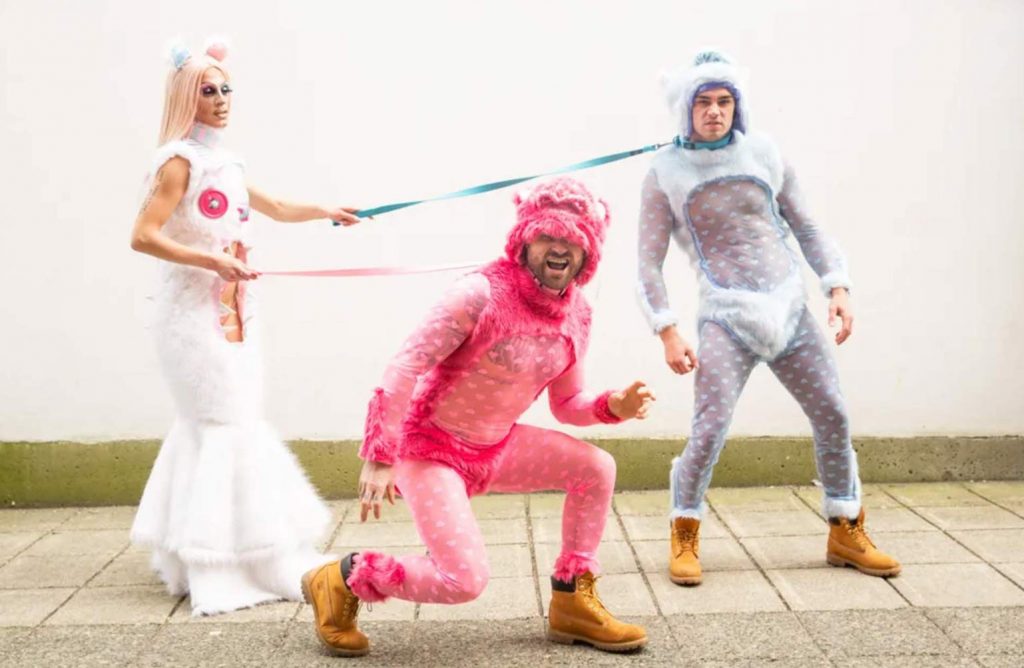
(217, 48)
(602, 210)
(519, 197)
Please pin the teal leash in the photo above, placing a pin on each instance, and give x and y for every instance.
(498, 185)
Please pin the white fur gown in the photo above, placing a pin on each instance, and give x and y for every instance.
(227, 509)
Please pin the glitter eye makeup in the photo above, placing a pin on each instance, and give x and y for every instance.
(209, 90)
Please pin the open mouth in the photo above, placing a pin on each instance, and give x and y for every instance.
(557, 265)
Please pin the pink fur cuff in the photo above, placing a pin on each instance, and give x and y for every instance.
(376, 446)
(603, 411)
(570, 564)
(374, 576)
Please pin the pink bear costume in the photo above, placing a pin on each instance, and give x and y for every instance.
(445, 414)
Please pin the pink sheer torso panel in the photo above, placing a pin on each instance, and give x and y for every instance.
(483, 403)
(495, 385)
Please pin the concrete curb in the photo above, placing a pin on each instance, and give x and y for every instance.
(113, 473)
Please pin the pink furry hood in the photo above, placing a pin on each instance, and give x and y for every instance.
(561, 208)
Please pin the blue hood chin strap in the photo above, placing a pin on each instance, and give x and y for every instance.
(705, 145)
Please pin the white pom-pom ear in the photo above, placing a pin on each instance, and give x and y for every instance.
(672, 87)
(177, 53)
(601, 208)
(217, 48)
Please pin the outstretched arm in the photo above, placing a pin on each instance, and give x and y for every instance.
(571, 404)
(292, 212)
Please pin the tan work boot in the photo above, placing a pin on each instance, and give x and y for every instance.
(577, 614)
(684, 556)
(335, 608)
(849, 545)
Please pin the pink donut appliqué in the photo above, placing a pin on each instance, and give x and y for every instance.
(213, 203)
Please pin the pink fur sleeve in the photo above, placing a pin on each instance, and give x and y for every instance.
(444, 329)
(571, 405)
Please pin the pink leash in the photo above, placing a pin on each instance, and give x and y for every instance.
(374, 271)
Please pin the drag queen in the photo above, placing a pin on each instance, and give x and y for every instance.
(227, 511)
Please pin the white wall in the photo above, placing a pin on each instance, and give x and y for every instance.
(902, 118)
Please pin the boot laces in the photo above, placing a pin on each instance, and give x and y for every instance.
(587, 587)
(859, 535)
(686, 540)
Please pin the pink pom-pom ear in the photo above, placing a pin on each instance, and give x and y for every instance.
(217, 48)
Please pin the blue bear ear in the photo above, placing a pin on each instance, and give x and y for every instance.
(179, 54)
(709, 57)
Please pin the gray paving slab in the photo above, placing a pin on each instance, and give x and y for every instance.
(499, 506)
(767, 636)
(34, 519)
(716, 554)
(1014, 571)
(105, 517)
(128, 568)
(722, 591)
(28, 607)
(503, 598)
(16, 541)
(226, 645)
(873, 497)
(32, 572)
(957, 585)
(952, 518)
(69, 543)
(885, 520)
(995, 546)
(782, 523)
(855, 633)
(774, 552)
(924, 547)
(275, 611)
(834, 589)
(549, 529)
(82, 646)
(653, 527)
(983, 630)
(614, 556)
(116, 605)
(754, 499)
(550, 504)
(935, 494)
(509, 561)
(378, 534)
(999, 491)
(652, 502)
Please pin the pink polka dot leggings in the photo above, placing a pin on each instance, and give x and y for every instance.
(455, 570)
(806, 368)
